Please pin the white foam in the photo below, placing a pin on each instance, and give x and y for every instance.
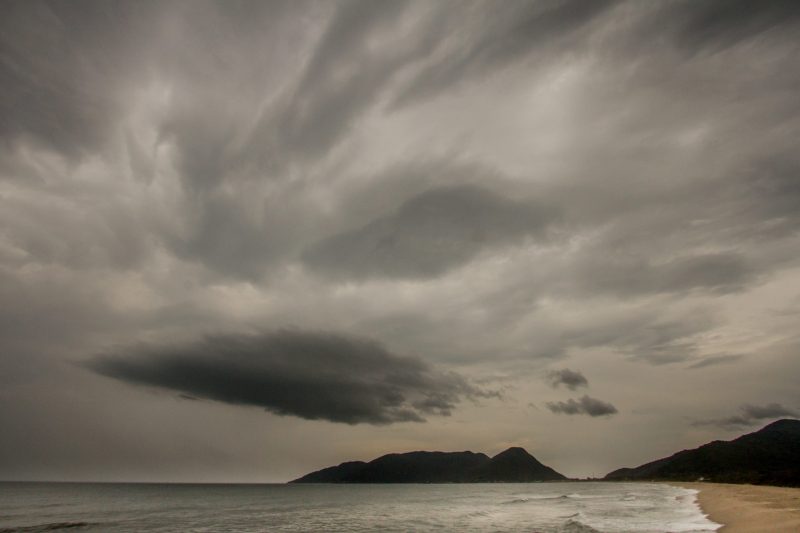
(649, 507)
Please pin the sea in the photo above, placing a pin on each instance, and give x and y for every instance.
(568, 507)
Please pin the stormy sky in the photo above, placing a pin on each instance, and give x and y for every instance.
(240, 241)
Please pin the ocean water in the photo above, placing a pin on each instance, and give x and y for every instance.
(575, 507)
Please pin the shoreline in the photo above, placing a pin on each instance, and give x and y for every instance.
(748, 508)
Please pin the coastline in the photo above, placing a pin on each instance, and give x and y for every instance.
(748, 508)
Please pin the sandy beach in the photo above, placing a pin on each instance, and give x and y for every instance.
(750, 508)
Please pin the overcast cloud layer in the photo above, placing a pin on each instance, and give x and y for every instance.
(355, 216)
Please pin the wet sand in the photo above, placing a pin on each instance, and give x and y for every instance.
(749, 508)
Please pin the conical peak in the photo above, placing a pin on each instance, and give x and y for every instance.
(514, 451)
(784, 426)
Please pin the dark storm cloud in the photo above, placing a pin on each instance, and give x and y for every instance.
(583, 406)
(572, 379)
(316, 376)
(750, 415)
(62, 70)
(428, 235)
(717, 24)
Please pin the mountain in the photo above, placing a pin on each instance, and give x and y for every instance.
(770, 456)
(515, 465)
(333, 474)
(512, 465)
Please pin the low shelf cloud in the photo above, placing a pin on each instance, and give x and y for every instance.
(311, 375)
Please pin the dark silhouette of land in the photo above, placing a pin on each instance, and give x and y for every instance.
(512, 465)
(770, 456)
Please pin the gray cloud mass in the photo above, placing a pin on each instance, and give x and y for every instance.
(717, 24)
(459, 192)
(585, 405)
(316, 376)
(750, 415)
(572, 379)
(429, 234)
(517, 30)
(64, 94)
(716, 360)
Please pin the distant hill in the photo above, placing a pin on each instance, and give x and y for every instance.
(770, 456)
(512, 465)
